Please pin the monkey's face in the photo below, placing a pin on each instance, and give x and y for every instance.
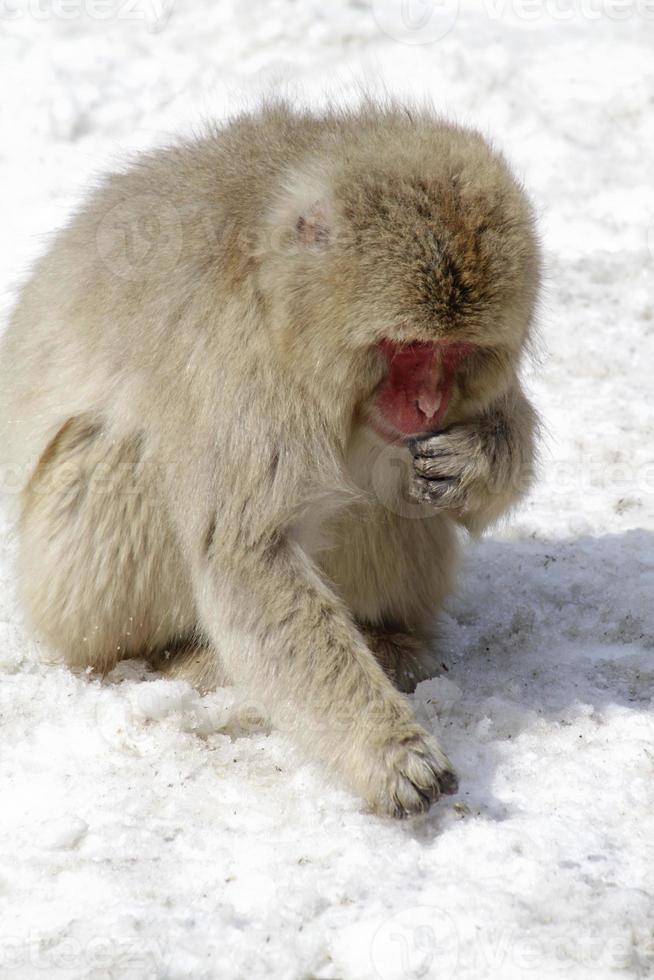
(442, 276)
(451, 294)
(424, 261)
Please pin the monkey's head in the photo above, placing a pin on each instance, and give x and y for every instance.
(406, 267)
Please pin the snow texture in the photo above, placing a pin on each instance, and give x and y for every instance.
(147, 832)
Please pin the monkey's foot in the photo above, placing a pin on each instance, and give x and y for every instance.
(193, 662)
(404, 658)
(408, 774)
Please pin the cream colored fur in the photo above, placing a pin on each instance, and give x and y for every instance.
(186, 386)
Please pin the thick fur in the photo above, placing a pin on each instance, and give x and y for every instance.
(186, 383)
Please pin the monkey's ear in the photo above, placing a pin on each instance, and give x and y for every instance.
(314, 227)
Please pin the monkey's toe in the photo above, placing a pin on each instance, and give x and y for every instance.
(449, 782)
(404, 657)
(414, 668)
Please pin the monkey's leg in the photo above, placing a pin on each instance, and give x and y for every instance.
(100, 569)
(405, 657)
(394, 574)
(289, 642)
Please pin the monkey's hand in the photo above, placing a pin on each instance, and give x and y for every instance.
(478, 469)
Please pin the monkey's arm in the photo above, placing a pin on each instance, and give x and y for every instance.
(288, 640)
(478, 469)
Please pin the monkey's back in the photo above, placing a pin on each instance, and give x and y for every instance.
(161, 261)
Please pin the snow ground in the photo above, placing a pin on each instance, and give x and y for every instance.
(146, 832)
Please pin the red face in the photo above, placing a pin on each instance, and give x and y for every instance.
(413, 397)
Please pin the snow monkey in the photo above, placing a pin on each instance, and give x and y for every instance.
(251, 393)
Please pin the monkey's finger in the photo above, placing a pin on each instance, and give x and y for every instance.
(438, 468)
(434, 490)
(432, 447)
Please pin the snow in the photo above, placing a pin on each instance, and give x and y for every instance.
(148, 832)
